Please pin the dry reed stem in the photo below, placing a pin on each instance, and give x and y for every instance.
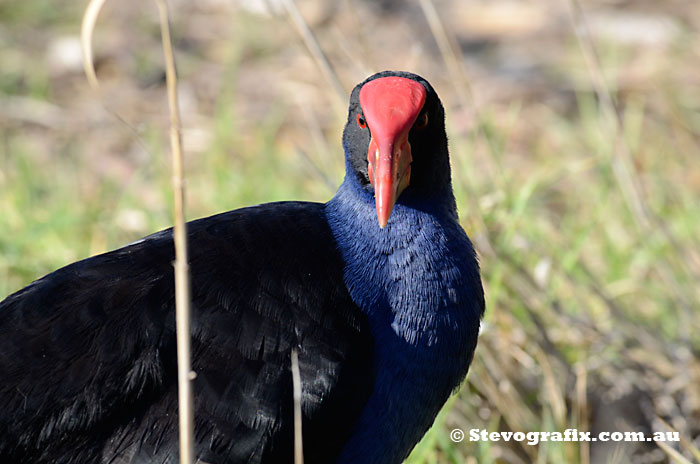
(684, 441)
(462, 86)
(320, 144)
(182, 283)
(185, 375)
(86, 32)
(622, 159)
(315, 49)
(461, 81)
(554, 399)
(672, 453)
(581, 398)
(449, 55)
(296, 387)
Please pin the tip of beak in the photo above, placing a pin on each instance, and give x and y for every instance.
(383, 209)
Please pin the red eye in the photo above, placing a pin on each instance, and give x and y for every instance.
(361, 121)
(422, 121)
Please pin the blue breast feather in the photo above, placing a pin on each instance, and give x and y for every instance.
(418, 281)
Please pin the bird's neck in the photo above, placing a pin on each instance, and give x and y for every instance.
(414, 280)
(406, 276)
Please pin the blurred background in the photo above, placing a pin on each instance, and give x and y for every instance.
(575, 141)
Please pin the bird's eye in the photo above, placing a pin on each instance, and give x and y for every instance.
(361, 121)
(421, 122)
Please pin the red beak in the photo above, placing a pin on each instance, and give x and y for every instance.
(390, 106)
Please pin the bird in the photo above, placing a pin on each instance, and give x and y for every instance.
(378, 291)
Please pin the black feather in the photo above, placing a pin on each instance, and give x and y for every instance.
(88, 352)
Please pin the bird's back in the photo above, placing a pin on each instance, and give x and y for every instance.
(87, 353)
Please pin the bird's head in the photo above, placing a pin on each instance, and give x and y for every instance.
(395, 140)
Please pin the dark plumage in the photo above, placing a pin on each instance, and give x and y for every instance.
(385, 319)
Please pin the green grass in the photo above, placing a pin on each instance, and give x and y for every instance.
(580, 297)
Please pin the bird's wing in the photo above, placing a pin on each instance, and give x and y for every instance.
(87, 354)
